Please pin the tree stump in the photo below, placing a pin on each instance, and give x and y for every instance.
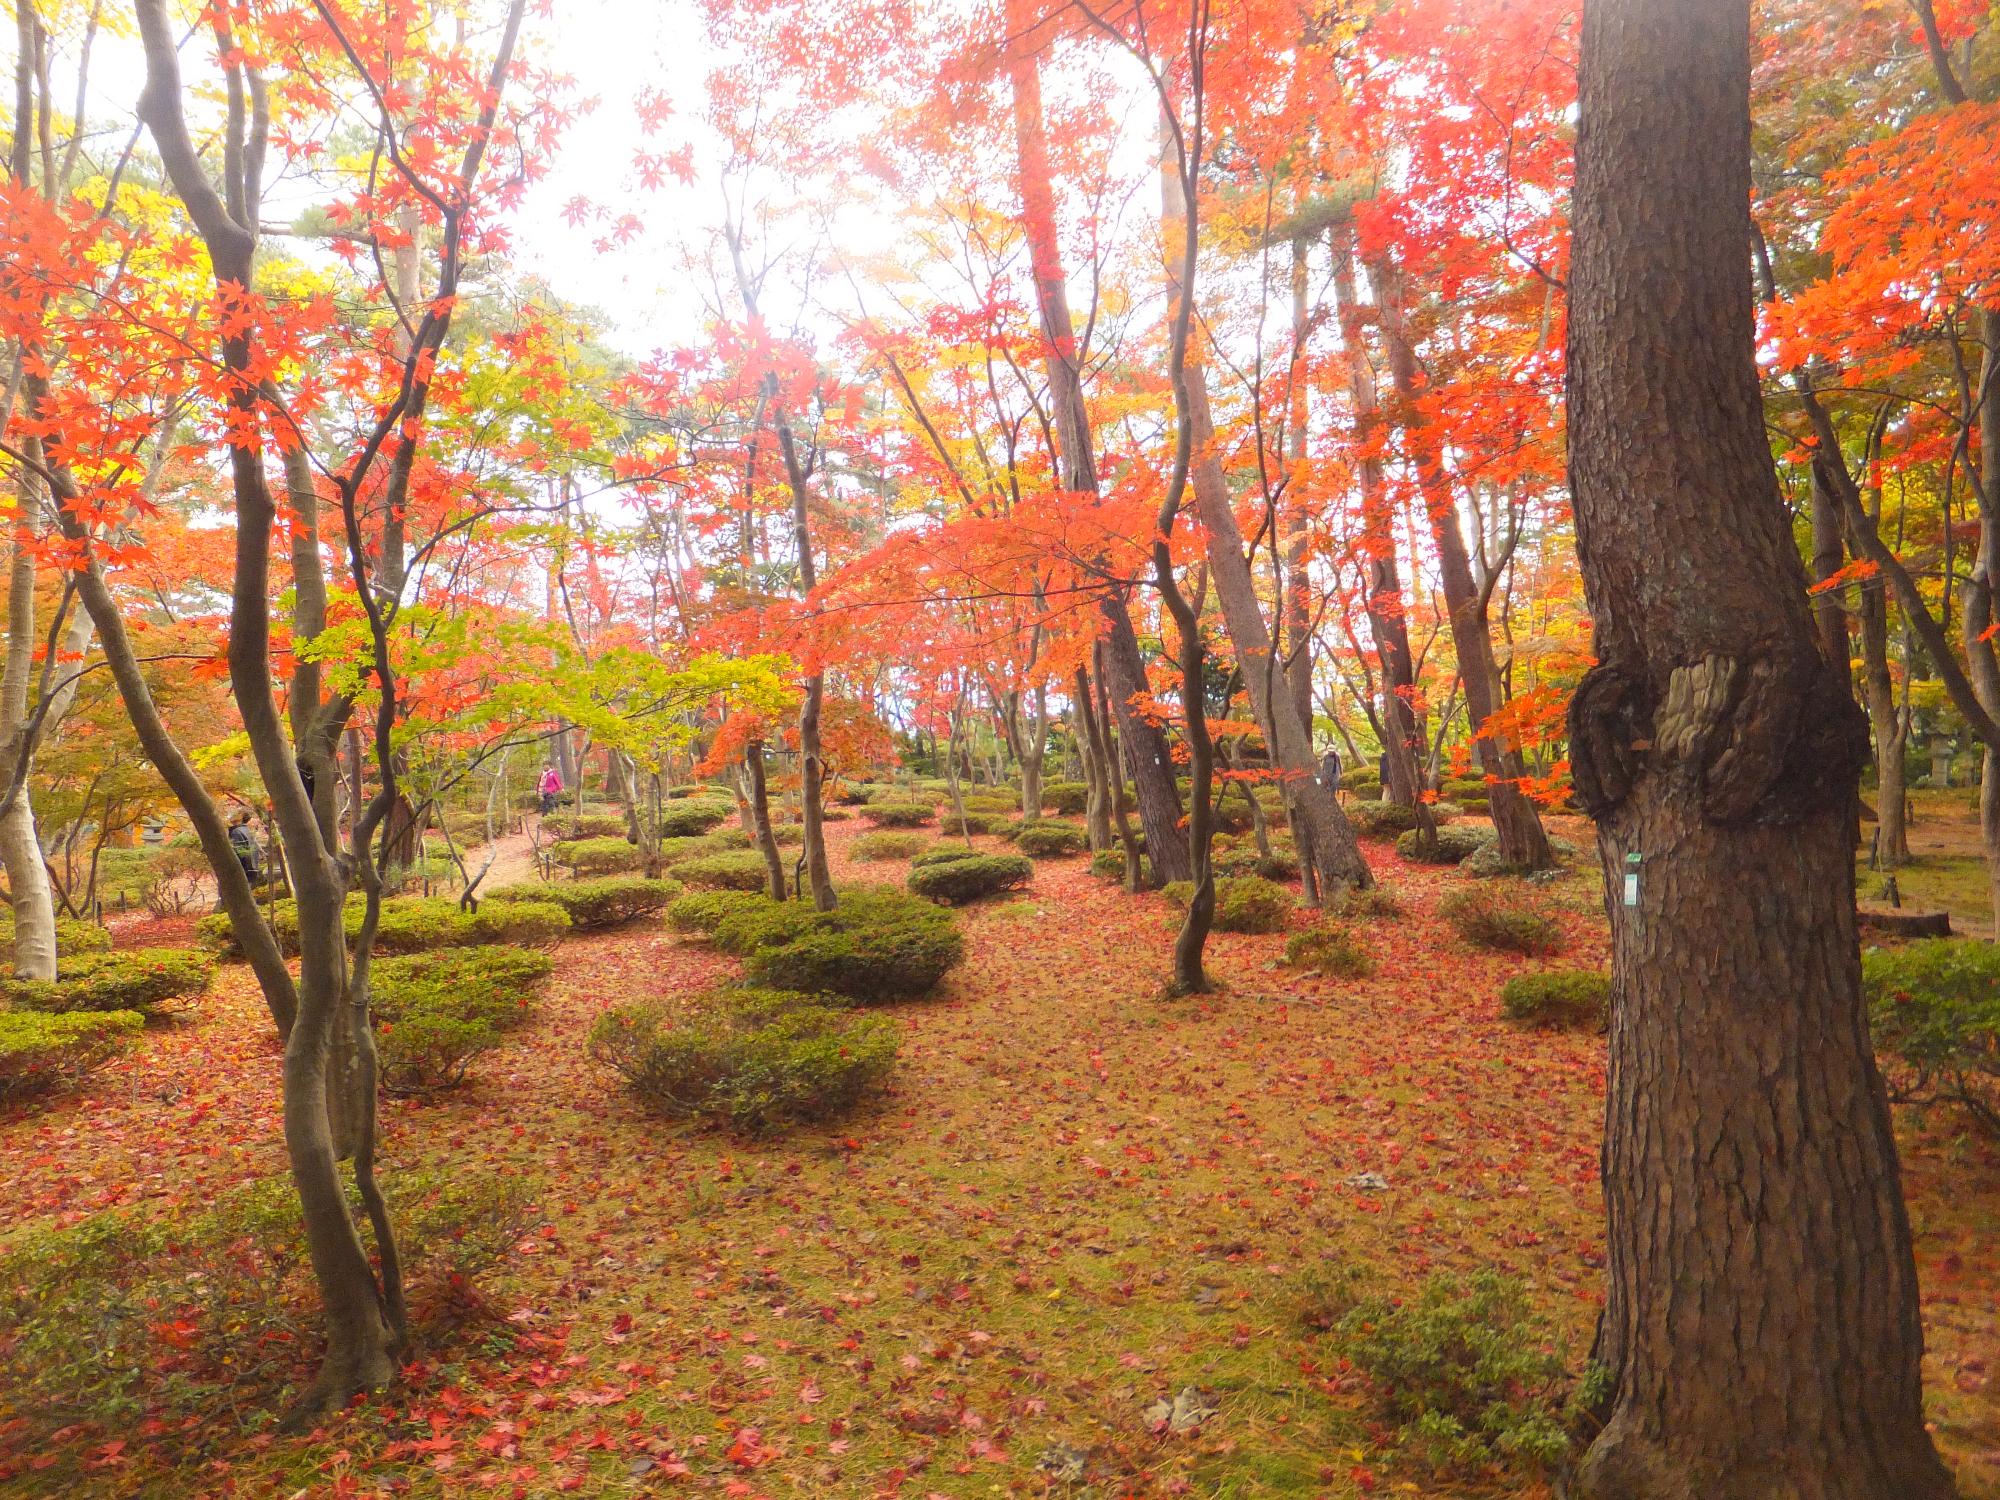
(1896, 922)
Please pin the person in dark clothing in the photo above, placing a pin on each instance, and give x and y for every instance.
(1329, 769)
(243, 842)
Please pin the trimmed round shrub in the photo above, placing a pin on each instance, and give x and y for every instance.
(696, 815)
(611, 856)
(147, 980)
(873, 946)
(40, 1052)
(1934, 1010)
(1247, 904)
(888, 844)
(72, 936)
(1376, 901)
(991, 806)
(1558, 997)
(1329, 948)
(761, 924)
(1108, 864)
(1458, 788)
(525, 924)
(751, 1060)
(701, 912)
(972, 822)
(1280, 864)
(958, 880)
(586, 825)
(1453, 844)
(1488, 862)
(1379, 819)
(851, 793)
(439, 1011)
(1487, 919)
(1044, 840)
(734, 870)
(899, 814)
(591, 904)
(943, 854)
(1360, 778)
(1070, 797)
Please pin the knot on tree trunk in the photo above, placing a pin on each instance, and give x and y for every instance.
(1768, 737)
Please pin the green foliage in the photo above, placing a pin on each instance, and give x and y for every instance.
(1453, 844)
(888, 844)
(1558, 997)
(967, 879)
(590, 825)
(526, 924)
(1044, 840)
(695, 816)
(1489, 919)
(673, 851)
(147, 980)
(875, 945)
(412, 924)
(1463, 1371)
(40, 1053)
(703, 911)
(1331, 949)
(1934, 1009)
(72, 937)
(973, 822)
(1070, 797)
(1247, 904)
(437, 1012)
(597, 856)
(191, 1311)
(750, 1060)
(609, 902)
(1108, 864)
(899, 813)
(1466, 789)
(1360, 778)
(1489, 862)
(763, 923)
(1282, 863)
(1355, 904)
(944, 854)
(1378, 819)
(736, 870)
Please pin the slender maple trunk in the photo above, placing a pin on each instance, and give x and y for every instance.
(1114, 750)
(812, 769)
(1321, 828)
(760, 818)
(1096, 768)
(1761, 1322)
(1891, 730)
(1124, 672)
(1523, 842)
(1384, 604)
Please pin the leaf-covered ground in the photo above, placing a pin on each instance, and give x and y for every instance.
(1079, 1202)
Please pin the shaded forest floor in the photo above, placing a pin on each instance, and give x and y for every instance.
(1077, 1200)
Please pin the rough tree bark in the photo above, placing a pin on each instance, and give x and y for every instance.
(1761, 1321)
(760, 817)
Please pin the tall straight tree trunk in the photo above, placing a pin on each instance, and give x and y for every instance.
(1761, 1320)
(812, 769)
(1891, 729)
(1124, 667)
(1096, 773)
(1322, 828)
(760, 817)
(1400, 739)
(1523, 843)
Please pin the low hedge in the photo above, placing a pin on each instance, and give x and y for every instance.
(974, 822)
(943, 854)
(589, 825)
(968, 878)
(1070, 797)
(874, 946)
(1379, 819)
(1361, 778)
(1246, 904)
(72, 936)
(1934, 1011)
(40, 1053)
(1453, 844)
(146, 980)
(1558, 997)
(612, 856)
(695, 816)
(1331, 949)
(439, 1011)
(1045, 840)
(1487, 919)
(595, 904)
(888, 844)
(413, 924)
(734, 870)
(751, 1060)
(1282, 863)
(899, 814)
(701, 912)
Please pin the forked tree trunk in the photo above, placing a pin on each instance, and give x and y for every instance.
(1761, 1320)
(760, 818)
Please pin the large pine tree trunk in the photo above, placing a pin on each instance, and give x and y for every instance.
(1761, 1320)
